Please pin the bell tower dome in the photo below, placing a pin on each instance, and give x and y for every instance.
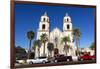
(67, 25)
(45, 18)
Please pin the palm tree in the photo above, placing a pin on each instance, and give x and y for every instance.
(92, 46)
(37, 43)
(44, 39)
(34, 47)
(77, 34)
(30, 36)
(50, 48)
(66, 46)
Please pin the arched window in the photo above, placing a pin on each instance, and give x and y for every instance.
(43, 26)
(67, 20)
(44, 19)
(68, 27)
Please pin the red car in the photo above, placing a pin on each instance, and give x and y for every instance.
(87, 57)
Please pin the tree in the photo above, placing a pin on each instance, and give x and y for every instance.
(32, 55)
(50, 48)
(66, 39)
(20, 53)
(34, 48)
(44, 39)
(77, 34)
(37, 43)
(92, 46)
(66, 48)
(30, 36)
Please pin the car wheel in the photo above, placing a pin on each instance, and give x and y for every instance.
(81, 59)
(52, 62)
(68, 60)
(30, 62)
(93, 59)
(44, 61)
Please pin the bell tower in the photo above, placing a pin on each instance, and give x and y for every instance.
(43, 26)
(43, 29)
(67, 25)
(68, 31)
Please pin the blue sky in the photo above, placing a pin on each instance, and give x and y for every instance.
(27, 17)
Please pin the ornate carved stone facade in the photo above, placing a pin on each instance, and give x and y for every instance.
(56, 33)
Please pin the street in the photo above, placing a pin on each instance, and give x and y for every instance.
(55, 64)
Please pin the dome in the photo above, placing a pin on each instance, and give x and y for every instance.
(67, 18)
(45, 18)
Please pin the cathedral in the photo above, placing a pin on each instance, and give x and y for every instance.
(56, 33)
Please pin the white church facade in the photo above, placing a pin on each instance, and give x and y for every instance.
(56, 33)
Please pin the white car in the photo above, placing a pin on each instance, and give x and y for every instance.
(20, 61)
(37, 60)
(75, 58)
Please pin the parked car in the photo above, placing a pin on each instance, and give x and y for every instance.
(75, 58)
(61, 58)
(38, 60)
(20, 61)
(87, 57)
(17, 63)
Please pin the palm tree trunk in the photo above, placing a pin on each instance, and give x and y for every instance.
(35, 52)
(48, 53)
(56, 45)
(66, 48)
(77, 47)
(29, 51)
(44, 50)
(38, 52)
(51, 53)
(66, 53)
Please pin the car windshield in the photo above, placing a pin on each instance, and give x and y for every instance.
(41, 57)
(61, 55)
